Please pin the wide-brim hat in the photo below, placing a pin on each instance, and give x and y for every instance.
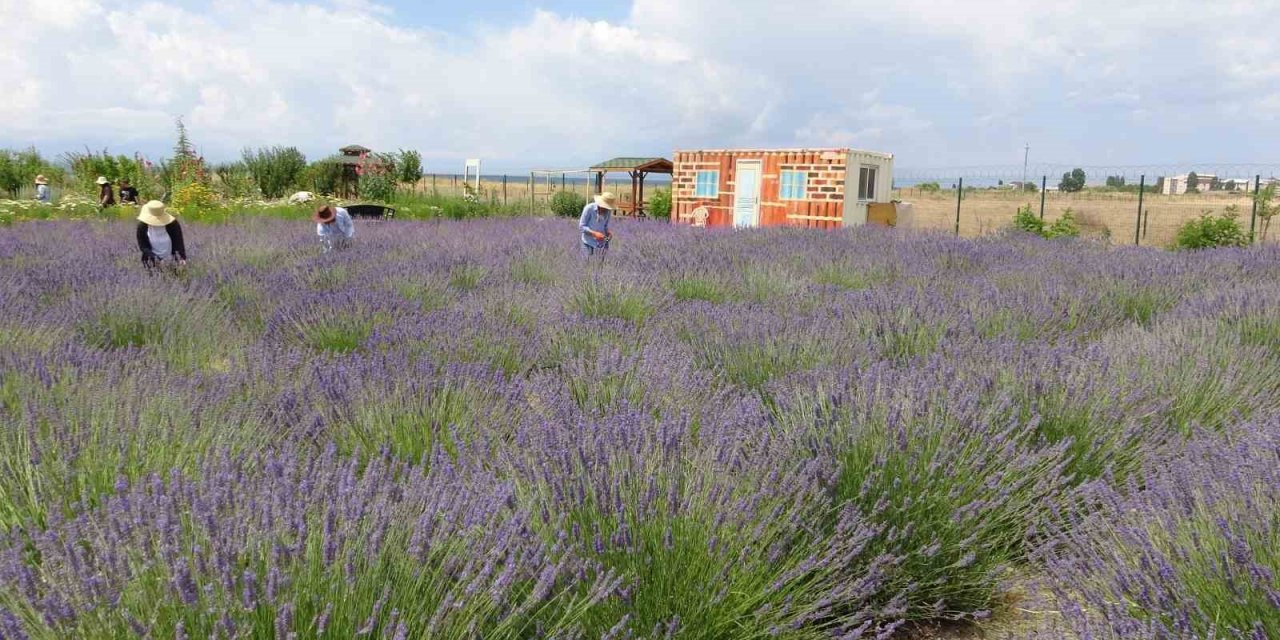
(324, 214)
(607, 200)
(102, 180)
(40, 179)
(153, 214)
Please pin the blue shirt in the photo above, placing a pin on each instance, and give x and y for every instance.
(341, 224)
(42, 193)
(594, 218)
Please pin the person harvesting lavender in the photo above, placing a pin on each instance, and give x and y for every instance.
(159, 236)
(594, 224)
(42, 190)
(128, 193)
(334, 226)
(106, 195)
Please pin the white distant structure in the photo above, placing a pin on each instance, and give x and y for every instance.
(301, 197)
(1177, 185)
(472, 165)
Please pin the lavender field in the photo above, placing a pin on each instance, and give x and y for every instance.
(460, 430)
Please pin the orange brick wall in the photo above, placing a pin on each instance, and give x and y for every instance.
(822, 207)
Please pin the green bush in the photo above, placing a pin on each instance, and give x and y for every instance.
(660, 203)
(324, 176)
(409, 167)
(277, 170)
(1210, 231)
(567, 204)
(1064, 227)
(929, 187)
(378, 178)
(18, 170)
(87, 166)
(1027, 221)
(234, 180)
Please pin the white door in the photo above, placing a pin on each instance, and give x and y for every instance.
(746, 193)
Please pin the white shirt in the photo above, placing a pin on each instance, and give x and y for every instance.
(160, 243)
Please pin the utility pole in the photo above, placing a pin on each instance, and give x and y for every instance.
(1025, 155)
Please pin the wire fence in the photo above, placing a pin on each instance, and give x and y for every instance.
(1142, 205)
(532, 191)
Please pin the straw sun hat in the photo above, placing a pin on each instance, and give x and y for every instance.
(607, 200)
(102, 180)
(154, 215)
(40, 179)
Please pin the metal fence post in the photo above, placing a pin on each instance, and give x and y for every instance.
(959, 196)
(1044, 184)
(504, 189)
(1142, 190)
(433, 184)
(1253, 217)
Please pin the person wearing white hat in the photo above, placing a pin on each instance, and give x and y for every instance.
(594, 224)
(159, 235)
(106, 196)
(42, 189)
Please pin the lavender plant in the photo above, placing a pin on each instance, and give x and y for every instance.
(711, 434)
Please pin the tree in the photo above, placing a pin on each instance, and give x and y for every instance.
(409, 167)
(1193, 182)
(1115, 181)
(1073, 181)
(183, 149)
(1267, 208)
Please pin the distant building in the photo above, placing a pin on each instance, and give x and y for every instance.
(823, 188)
(1177, 185)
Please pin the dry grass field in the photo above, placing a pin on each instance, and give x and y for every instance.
(982, 212)
(1099, 214)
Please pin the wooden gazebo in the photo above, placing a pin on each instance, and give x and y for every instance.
(637, 169)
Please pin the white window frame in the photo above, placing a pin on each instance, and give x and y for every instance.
(782, 184)
(867, 188)
(715, 183)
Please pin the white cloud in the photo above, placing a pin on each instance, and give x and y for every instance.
(935, 81)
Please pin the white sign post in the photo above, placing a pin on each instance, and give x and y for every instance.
(472, 164)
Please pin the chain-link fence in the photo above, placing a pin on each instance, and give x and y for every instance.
(1143, 205)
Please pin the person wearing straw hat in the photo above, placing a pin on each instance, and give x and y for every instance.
(159, 236)
(334, 226)
(106, 196)
(42, 189)
(594, 224)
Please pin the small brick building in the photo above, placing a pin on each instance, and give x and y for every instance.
(824, 188)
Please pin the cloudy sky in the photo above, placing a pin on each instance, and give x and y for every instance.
(562, 83)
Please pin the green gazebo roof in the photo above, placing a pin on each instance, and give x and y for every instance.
(649, 165)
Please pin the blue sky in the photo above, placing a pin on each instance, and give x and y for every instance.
(563, 83)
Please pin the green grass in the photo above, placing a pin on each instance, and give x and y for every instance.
(534, 268)
(704, 289)
(595, 299)
(467, 277)
(851, 277)
(340, 331)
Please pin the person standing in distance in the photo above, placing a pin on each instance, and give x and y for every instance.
(594, 225)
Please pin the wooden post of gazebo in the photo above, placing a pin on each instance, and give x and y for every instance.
(637, 169)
